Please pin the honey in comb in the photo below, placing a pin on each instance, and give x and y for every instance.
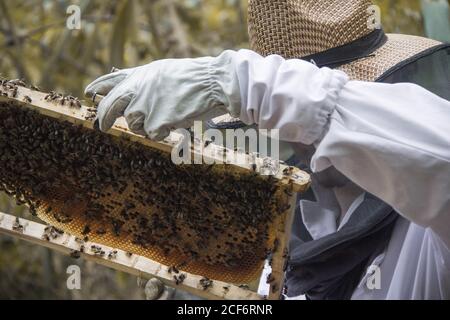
(214, 222)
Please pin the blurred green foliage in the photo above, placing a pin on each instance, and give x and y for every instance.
(401, 16)
(35, 45)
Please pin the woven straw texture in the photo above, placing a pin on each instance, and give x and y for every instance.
(397, 49)
(299, 28)
(294, 28)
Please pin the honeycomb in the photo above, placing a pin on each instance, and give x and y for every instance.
(207, 220)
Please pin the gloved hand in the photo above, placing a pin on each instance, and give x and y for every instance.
(168, 94)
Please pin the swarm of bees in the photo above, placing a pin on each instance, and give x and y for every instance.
(125, 192)
(10, 88)
(63, 100)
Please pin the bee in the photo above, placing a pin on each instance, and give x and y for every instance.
(50, 96)
(173, 269)
(274, 287)
(112, 255)
(61, 219)
(101, 231)
(77, 103)
(97, 250)
(205, 283)
(56, 96)
(33, 211)
(27, 99)
(270, 278)
(14, 93)
(179, 279)
(288, 171)
(36, 88)
(117, 226)
(86, 230)
(51, 233)
(90, 116)
(276, 243)
(285, 208)
(17, 226)
(17, 82)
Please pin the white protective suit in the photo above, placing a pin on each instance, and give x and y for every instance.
(391, 140)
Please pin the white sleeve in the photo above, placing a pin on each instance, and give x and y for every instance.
(391, 140)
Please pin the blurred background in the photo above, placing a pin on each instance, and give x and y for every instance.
(36, 45)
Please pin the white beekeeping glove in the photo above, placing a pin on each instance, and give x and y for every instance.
(293, 96)
(168, 94)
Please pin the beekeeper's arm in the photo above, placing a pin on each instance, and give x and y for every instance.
(392, 140)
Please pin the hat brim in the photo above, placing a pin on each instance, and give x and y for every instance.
(397, 49)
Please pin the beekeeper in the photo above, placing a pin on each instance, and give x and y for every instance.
(367, 112)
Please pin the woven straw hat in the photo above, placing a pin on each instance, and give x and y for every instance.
(304, 28)
(310, 29)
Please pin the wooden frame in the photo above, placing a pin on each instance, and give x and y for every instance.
(136, 265)
(298, 180)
